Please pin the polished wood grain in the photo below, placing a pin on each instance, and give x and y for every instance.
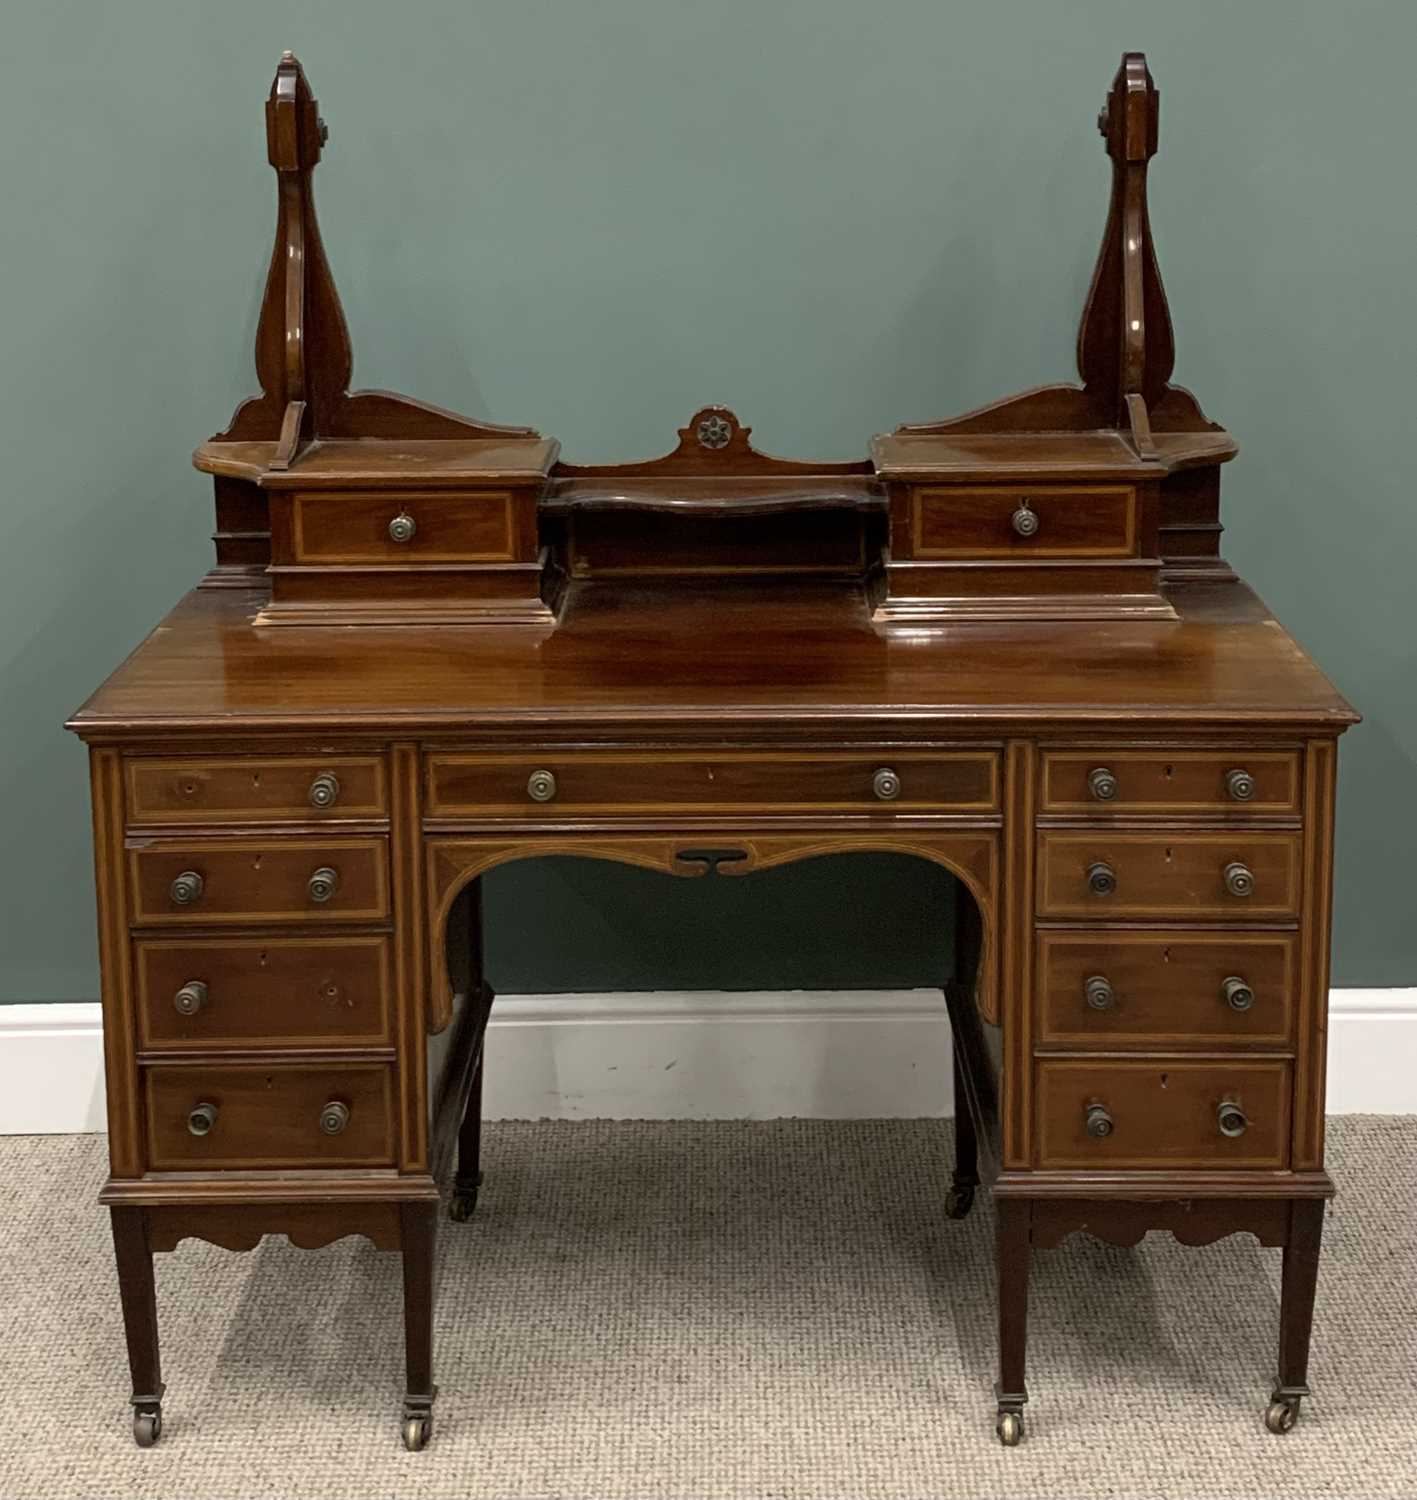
(258, 880)
(959, 781)
(265, 992)
(1179, 780)
(1175, 874)
(1164, 1112)
(1167, 989)
(268, 1115)
(252, 789)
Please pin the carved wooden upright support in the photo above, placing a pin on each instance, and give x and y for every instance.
(1126, 349)
(303, 356)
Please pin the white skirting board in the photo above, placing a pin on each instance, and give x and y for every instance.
(699, 1056)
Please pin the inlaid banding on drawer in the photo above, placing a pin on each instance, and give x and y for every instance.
(253, 1117)
(240, 789)
(1162, 1113)
(196, 993)
(995, 522)
(962, 781)
(1102, 990)
(196, 882)
(1096, 782)
(1103, 875)
(404, 526)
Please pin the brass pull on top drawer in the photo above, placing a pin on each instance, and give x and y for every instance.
(1239, 786)
(1102, 784)
(187, 888)
(541, 786)
(1025, 520)
(886, 784)
(324, 790)
(403, 528)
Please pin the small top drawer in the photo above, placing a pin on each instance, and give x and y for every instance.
(620, 783)
(240, 789)
(391, 527)
(195, 882)
(1001, 522)
(1176, 781)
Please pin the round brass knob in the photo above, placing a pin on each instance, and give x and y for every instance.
(187, 888)
(1231, 1118)
(202, 1119)
(1102, 784)
(190, 998)
(1239, 879)
(1240, 785)
(1099, 1122)
(886, 784)
(324, 790)
(1238, 995)
(402, 528)
(1101, 879)
(1025, 520)
(1099, 992)
(541, 786)
(334, 1117)
(323, 883)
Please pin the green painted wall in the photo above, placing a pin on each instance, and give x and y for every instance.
(595, 217)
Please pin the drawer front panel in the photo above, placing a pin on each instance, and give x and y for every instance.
(275, 881)
(1100, 990)
(266, 992)
(1095, 782)
(1161, 875)
(1163, 1114)
(977, 522)
(947, 781)
(437, 526)
(269, 1117)
(295, 789)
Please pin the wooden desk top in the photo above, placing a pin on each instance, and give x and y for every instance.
(664, 661)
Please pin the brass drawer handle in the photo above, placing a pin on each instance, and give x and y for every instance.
(187, 888)
(190, 998)
(1239, 879)
(1099, 1122)
(1240, 786)
(1102, 784)
(202, 1119)
(1231, 1119)
(1101, 879)
(541, 786)
(334, 1117)
(323, 883)
(886, 784)
(1099, 992)
(1238, 995)
(1025, 520)
(324, 790)
(402, 528)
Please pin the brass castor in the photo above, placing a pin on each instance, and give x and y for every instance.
(417, 1429)
(1010, 1428)
(147, 1426)
(959, 1200)
(463, 1202)
(1282, 1413)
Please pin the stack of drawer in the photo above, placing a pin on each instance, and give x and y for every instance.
(259, 914)
(1167, 900)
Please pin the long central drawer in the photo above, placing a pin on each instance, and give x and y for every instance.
(622, 782)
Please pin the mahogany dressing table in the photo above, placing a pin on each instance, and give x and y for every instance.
(1005, 643)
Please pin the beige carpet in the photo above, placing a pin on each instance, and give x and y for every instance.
(705, 1310)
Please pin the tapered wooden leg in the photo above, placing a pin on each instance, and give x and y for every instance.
(1296, 1311)
(1013, 1252)
(419, 1228)
(139, 1297)
(469, 1175)
(966, 1175)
